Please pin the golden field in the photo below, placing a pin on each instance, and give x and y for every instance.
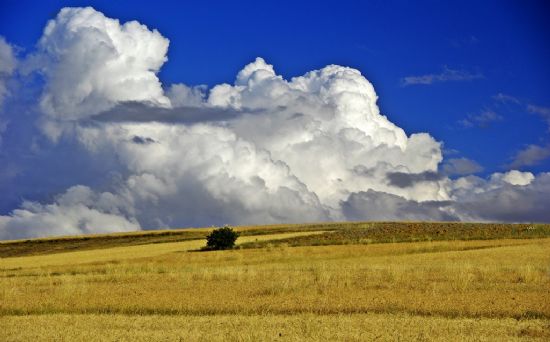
(479, 290)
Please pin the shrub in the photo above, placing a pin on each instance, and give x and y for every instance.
(221, 238)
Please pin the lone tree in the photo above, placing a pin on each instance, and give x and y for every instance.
(221, 238)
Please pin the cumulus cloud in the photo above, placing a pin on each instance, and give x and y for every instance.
(326, 120)
(201, 174)
(514, 177)
(7, 66)
(530, 155)
(92, 62)
(461, 166)
(7, 57)
(8, 63)
(125, 153)
(181, 95)
(380, 206)
(405, 180)
(447, 75)
(501, 200)
(77, 211)
(513, 196)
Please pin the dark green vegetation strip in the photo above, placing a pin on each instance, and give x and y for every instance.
(385, 232)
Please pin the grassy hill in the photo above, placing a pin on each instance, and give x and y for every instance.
(334, 233)
(337, 281)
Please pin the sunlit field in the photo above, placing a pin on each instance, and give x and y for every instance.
(280, 288)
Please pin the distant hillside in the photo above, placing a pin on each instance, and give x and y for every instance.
(334, 233)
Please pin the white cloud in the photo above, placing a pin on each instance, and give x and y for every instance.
(202, 172)
(78, 211)
(446, 75)
(516, 177)
(461, 166)
(181, 95)
(262, 150)
(8, 63)
(496, 200)
(530, 155)
(504, 197)
(91, 62)
(7, 57)
(324, 125)
(380, 206)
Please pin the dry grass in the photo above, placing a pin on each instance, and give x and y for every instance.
(334, 233)
(384, 232)
(435, 290)
(301, 327)
(118, 254)
(42, 246)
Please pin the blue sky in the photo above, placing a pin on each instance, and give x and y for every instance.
(89, 109)
(504, 41)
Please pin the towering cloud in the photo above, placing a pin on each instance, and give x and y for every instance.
(327, 127)
(92, 62)
(261, 150)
